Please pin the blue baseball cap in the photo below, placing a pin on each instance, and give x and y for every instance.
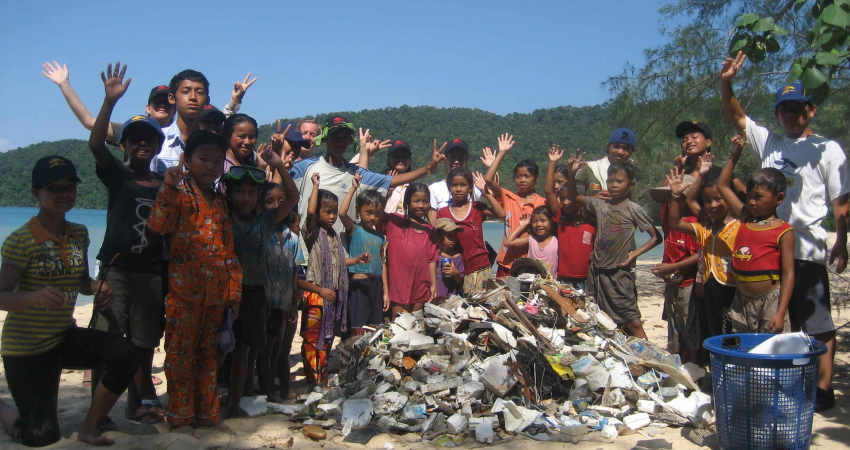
(791, 93)
(294, 136)
(622, 136)
(139, 121)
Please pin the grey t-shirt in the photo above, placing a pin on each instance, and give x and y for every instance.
(615, 230)
(249, 242)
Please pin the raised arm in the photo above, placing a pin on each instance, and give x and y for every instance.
(506, 143)
(519, 237)
(60, 75)
(312, 204)
(575, 163)
(552, 200)
(724, 182)
(291, 191)
(346, 203)
(239, 90)
(112, 84)
(437, 156)
(674, 214)
(730, 105)
(495, 210)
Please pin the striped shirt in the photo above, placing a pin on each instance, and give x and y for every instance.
(46, 261)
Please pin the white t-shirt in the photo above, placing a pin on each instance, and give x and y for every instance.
(172, 149)
(817, 172)
(440, 196)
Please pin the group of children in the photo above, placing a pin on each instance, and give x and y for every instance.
(237, 238)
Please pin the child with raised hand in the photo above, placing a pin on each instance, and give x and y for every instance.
(518, 206)
(132, 250)
(44, 268)
(251, 231)
(326, 282)
(536, 236)
(368, 291)
(411, 252)
(612, 265)
(240, 133)
(470, 215)
(763, 255)
(282, 295)
(450, 279)
(708, 312)
(205, 277)
(575, 232)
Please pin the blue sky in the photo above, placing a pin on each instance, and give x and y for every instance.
(319, 57)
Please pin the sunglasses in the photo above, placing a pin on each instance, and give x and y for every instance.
(239, 172)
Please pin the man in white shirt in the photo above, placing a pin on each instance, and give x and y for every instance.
(189, 92)
(457, 155)
(817, 172)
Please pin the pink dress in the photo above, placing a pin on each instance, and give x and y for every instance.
(547, 255)
(408, 256)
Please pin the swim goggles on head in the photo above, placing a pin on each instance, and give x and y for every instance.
(239, 172)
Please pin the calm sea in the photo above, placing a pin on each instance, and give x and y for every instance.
(95, 219)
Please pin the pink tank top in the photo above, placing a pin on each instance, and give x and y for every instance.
(548, 255)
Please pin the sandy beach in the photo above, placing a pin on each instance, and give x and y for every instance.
(273, 431)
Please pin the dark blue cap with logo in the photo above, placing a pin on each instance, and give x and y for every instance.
(51, 168)
(791, 93)
(294, 136)
(622, 136)
(142, 121)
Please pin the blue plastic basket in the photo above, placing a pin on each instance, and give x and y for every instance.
(762, 401)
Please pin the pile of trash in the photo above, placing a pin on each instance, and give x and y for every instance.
(530, 356)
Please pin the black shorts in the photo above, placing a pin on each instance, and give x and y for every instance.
(34, 380)
(810, 309)
(365, 302)
(250, 326)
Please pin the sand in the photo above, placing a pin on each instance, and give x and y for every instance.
(830, 429)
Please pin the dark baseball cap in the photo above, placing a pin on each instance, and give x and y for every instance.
(157, 91)
(294, 136)
(51, 168)
(399, 145)
(210, 112)
(337, 123)
(457, 143)
(791, 93)
(622, 136)
(688, 127)
(141, 121)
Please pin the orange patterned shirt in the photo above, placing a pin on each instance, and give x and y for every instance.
(204, 268)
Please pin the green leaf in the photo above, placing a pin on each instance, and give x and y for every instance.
(764, 25)
(794, 72)
(813, 77)
(823, 40)
(827, 59)
(740, 43)
(747, 20)
(779, 31)
(771, 44)
(835, 15)
(756, 53)
(818, 94)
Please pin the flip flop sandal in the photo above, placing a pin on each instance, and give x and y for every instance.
(148, 417)
(156, 380)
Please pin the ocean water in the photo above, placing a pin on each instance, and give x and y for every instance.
(95, 220)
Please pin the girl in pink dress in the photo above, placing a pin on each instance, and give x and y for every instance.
(541, 242)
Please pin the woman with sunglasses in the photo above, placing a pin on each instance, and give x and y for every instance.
(251, 230)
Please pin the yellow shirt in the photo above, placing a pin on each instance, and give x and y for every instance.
(717, 251)
(46, 261)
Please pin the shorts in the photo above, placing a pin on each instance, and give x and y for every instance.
(365, 302)
(676, 309)
(615, 293)
(753, 314)
(274, 322)
(250, 327)
(34, 380)
(810, 308)
(713, 309)
(138, 307)
(474, 282)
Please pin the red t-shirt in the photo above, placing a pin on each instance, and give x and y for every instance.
(575, 245)
(471, 237)
(408, 256)
(679, 246)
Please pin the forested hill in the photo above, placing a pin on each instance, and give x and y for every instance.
(585, 128)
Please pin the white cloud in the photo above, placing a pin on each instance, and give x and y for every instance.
(5, 145)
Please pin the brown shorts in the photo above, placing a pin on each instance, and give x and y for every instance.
(753, 314)
(615, 293)
(676, 306)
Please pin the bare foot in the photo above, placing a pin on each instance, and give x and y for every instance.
(93, 438)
